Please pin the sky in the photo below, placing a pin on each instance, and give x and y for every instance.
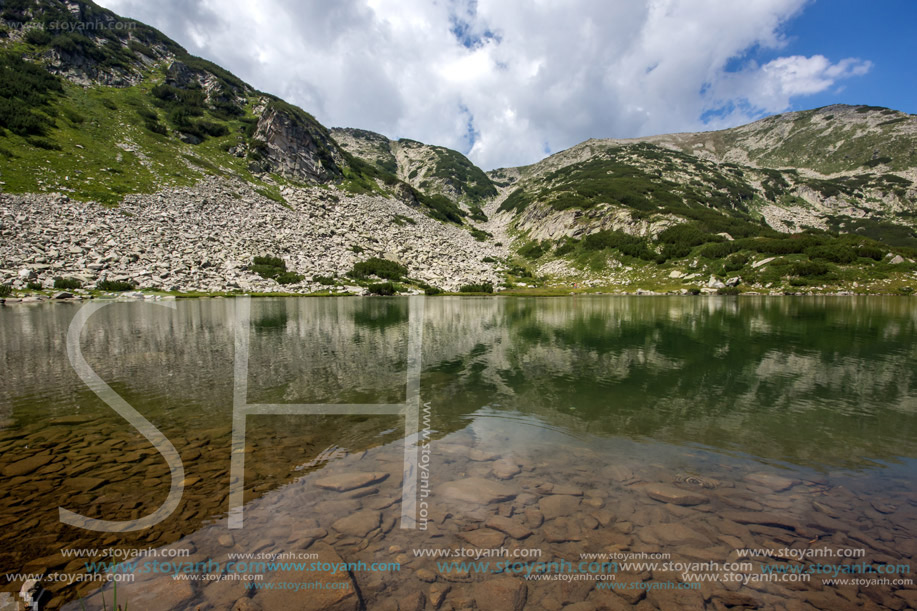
(508, 82)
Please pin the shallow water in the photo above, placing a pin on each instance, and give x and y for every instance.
(686, 427)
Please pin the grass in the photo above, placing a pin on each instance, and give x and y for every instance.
(114, 600)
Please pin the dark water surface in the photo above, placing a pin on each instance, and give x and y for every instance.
(679, 431)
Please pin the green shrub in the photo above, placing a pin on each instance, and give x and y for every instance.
(67, 284)
(517, 200)
(114, 285)
(5, 290)
(735, 262)
(534, 250)
(566, 247)
(274, 268)
(270, 261)
(441, 207)
(374, 266)
(383, 288)
(686, 235)
(357, 249)
(728, 290)
(477, 214)
(486, 287)
(520, 271)
(156, 127)
(779, 246)
(38, 37)
(834, 253)
(432, 290)
(288, 278)
(266, 271)
(324, 280)
(719, 250)
(808, 268)
(74, 117)
(488, 260)
(629, 245)
(139, 47)
(44, 143)
(34, 286)
(25, 88)
(479, 234)
(871, 252)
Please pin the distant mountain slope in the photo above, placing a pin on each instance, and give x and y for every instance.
(839, 179)
(433, 170)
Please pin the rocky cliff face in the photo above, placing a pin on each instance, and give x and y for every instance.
(297, 146)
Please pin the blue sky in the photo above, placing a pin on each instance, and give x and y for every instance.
(883, 32)
(508, 81)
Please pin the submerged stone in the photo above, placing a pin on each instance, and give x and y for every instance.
(344, 482)
(668, 493)
(477, 490)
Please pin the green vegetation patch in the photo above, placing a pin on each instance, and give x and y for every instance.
(274, 268)
(67, 283)
(26, 92)
(384, 288)
(381, 268)
(115, 286)
(485, 287)
(458, 172)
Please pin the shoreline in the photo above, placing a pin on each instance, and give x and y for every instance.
(176, 296)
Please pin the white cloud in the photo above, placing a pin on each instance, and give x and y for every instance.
(506, 80)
